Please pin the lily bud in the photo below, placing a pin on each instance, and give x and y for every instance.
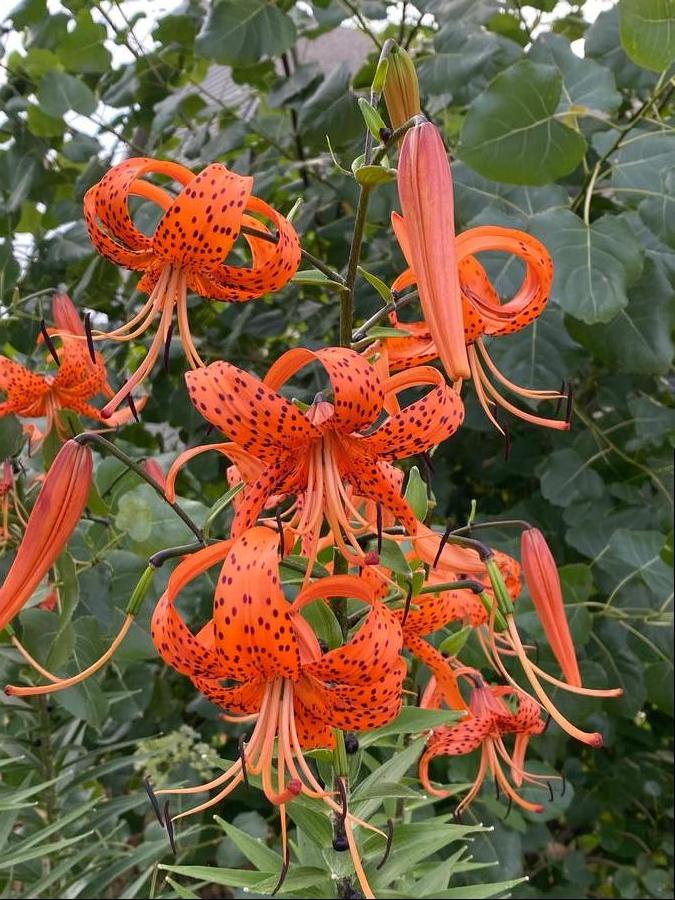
(401, 88)
(426, 233)
(543, 583)
(65, 315)
(53, 518)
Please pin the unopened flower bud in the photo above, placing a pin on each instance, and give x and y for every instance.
(401, 88)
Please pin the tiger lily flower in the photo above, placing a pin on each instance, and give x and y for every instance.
(489, 717)
(319, 453)
(78, 380)
(52, 520)
(195, 235)
(296, 693)
(459, 302)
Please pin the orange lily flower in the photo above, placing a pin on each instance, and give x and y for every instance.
(78, 380)
(296, 693)
(53, 518)
(459, 302)
(319, 453)
(187, 250)
(488, 719)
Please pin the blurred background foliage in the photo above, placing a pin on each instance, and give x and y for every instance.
(573, 143)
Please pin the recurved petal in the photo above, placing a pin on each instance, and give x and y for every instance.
(357, 388)
(260, 420)
(372, 651)
(243, 699)
(202, 224)
(254, 636)
(175, 642)
(21, 386)
(421, 425)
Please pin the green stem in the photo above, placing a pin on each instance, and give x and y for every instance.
(91, 437)
(347, 300)
(314, 260)
(361, 333)
(665, 89)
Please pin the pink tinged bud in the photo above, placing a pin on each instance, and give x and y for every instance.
(543, 583)
(56, 512)
(66, 317)
(427, 238)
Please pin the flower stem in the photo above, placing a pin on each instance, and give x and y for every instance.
(91, 437)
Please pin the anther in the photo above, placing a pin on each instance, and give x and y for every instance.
(508, 809)
(378, 509)
(90, 337)
(507, 443)
(284, 871)
(169, 828)
(167, 347)
(550, 791)
(132, 407)
(390, 840)
(342, 790)
(563, 394)
(49, 343)
(570, 404)
(153, 799)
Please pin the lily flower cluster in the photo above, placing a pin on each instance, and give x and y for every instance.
(317, 483)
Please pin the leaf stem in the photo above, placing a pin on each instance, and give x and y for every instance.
(91, 437)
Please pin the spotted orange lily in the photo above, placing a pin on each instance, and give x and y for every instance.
(295, 693)
(79, 379)
(318, 453)
(196, 233)
(488, 717)
(459, 302)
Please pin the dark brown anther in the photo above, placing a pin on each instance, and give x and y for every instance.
(546, 724)
(90, 337)
(508, 809)
(169, 828)
(443, 542)
(569, 409)
(563, 394)
(284, 871)
(378, 514)
(426, 458)
(49, 343)
(132, 407)
(564, 784)
(390, 840)
(167, 347)
(550, 791)
(498, 793)
(209, 428)
(241, 749)
(153, 799)
(536, 652)
(457, 815)
(406, 608)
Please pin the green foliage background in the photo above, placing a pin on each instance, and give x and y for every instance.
(579, 152)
